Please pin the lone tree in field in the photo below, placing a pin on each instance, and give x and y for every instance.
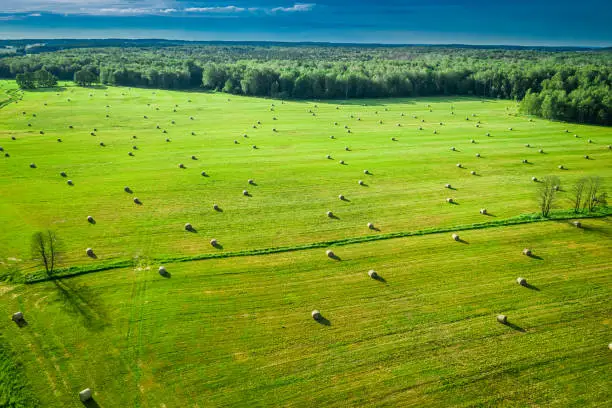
(593, 196)
(578, 194)
(546, 195)
(45, 250)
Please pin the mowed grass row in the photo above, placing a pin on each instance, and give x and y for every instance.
(295, 184)
(238, 332)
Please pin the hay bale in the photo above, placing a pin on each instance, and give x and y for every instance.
(17, 317)
(330, 253)
(70, 183)
(341, 161)
(509, 128)
(535, 179)
(254, 147)
(181, 166)
(561, 167)
(590, 141)
(527, 145)
(328, 157)
(137, 201)
(162, 271)
(245, 193)
(216, 207)
(449, 200)
(527, 252)
(455, 237)
(164, 131)
(488, 134)
(453, 149)
(188, 227)
(394, 139)
(586, 156)
(483, 211)
(316, 314)
(203, 173)
(130, 154)
(435, 132)
(556, 188)
(525, 161)
(347, 149)
(521, 281)
(503, 319)
(447, 185)
(90, 219)
(360, 182)
(330, 214)
(472, 141)
(85, 395)
(332, 137)
(126, 188)
(32, 165)
(459, 165)
(420, 127)
(90, 253)
(577, 224)
(541, 151)
(102, 144)
(609, 147)
(366, 172)
(213, 242)
(168, 139)
(477, 154)
(193, 157)
(63, 174)
(370, 225)
(372, 274)
(341, 197)
(251, 182)
(473, 172)
(135, 147)
(235, 142)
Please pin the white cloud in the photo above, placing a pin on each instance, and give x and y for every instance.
(295, 8)
(168, 10)
(224, 9)
(34, 15)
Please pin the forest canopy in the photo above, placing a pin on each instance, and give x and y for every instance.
(562, 85)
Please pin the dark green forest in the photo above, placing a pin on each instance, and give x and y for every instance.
(568, 85)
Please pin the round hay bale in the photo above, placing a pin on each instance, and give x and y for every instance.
(126, 188)
(102, 144)
(330, 214)
(168, 139)
(13, 138)
(576, 136)
(541, 151)
(1, 149)
(566, 130)
(534, 179)
(193, 157)
(447, 186)
(130, 154)
(577, 224)
(235, 142)
(341, 161)
(188, 227)
(135, 147)
(162, 271)
(192, 133)
(315, 314)
(332, 137)
(70, 183)
(473, 172)
(527, 252)
(348, 131)
(372, 274)
(394, 139)
(449, 200)
(435, 132)
(477, 154)
(17, 317)
(459, 165)
(134, 137)
(586, 156)
(145, 117)
(360, 182)
(347, 149)
(90, 252)
(420, 127)
(330, 253)
(164, 131)
(556, 188)
(90, 219)
(521, 281)
(173, 122)
(181, 166)
(137, 201)
(453, 149)
(370, 225)
(336, 123)
(472, 141)
(488, 134)
(503, 319)
(85, 395)
(63, 174)
(251, 182)
(274, 129)
(590, 141)
(203, 173)
(455, 237)
(509, 128)
(254, 147)
(525, 161)
(341, 197)
(483, 211)
(328, 157)
(527, 145)
(561, 167)
(245, 193)
(216, 207)
(32, 165)
(399, 125)
(213, 242)
(366, 172)
(609, 147)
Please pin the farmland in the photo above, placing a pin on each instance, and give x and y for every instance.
(224, 330)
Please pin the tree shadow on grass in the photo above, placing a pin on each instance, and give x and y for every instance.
(83, 303)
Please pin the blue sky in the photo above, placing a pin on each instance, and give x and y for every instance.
(520, 22)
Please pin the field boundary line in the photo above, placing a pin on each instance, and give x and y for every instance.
(40, 276)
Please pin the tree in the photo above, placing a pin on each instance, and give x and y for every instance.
(85, 77)
(25, 80)
(45, 249)
(593, 196)
(44, 79)
(578, 192)
(547, 190)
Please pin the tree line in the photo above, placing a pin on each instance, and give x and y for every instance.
(565, 85)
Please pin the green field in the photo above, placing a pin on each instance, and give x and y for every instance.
(237, 331)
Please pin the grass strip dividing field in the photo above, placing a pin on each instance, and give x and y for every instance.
(40, 276)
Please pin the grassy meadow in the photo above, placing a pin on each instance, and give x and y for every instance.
(237, 331)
